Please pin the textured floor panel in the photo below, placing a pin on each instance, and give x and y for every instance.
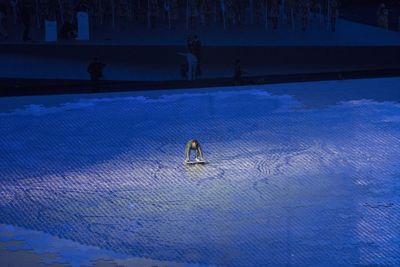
(284, 185)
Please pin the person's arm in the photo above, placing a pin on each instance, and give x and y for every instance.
(199, 152)
(187, 151)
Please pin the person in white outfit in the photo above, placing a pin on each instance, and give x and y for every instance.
(191, 63)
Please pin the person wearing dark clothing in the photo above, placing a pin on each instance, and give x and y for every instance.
(274, 14)
(197, 47)
(190, 44)
(184, 70)
(95, 69)
(238, 72)
(25, 13)
(68, 31)
(193, 145)
(3, 19)
(334, 9)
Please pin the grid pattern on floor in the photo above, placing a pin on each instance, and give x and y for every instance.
(284, 185)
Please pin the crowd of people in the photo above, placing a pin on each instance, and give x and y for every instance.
(187, 14)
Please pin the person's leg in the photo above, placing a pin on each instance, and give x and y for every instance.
(187, 153)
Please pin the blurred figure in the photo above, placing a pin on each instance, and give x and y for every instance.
(25, 13)
(184, 70)
(68, 30)
(191, 61)
(238, 72)
(197, 51)
(190, 43)
(274, 13)
(305, 13)
(290, 10)
(3, 19)
(383, 16)
(153, 13)
(334, 9)
(95, 69)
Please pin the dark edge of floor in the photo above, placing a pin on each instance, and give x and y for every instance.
(29, 87)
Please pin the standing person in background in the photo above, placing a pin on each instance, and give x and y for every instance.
(174, 13)
(95, 69)
(190, 43)
(274, 13)
(197, 51)
(305, 13)
(334, 9)
(290, 8)
(3, 18)
(191, 61)
(237, 72)
(383, 16)
(207, 11)
(153, 11)
(25, 13)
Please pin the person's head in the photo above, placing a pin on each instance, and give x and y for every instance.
(95, 59)
(194, 144)
(237, 62)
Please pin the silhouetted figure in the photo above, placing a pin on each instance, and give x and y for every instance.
(383, 16)
(274, 13)
(95, 69)
(191, 61)
(197, 51)
(25, 12)
(190, 44)
(238, 72)
(3, 19)
(334, 9)
(184, 70)
(68, 31)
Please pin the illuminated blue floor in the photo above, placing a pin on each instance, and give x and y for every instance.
(288, 183)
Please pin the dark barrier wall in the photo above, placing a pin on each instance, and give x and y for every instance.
(352, 56)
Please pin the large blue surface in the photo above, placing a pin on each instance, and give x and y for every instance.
(288, 183)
